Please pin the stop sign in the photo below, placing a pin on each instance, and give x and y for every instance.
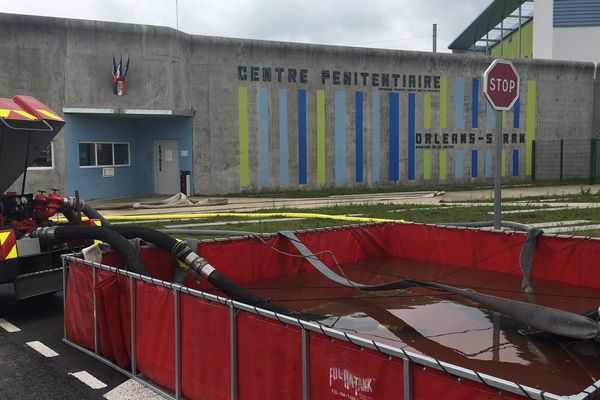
(501, 84)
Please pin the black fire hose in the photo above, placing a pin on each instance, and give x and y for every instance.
(70, 203)
(116, 240)
(198, 264)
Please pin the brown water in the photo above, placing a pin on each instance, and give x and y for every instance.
(448, 327)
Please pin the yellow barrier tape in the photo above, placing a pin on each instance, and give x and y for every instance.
(244, 215)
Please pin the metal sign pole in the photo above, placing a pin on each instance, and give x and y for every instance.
(497, 172)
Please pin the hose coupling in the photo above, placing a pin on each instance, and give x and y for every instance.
(44, 233)
(200, 265)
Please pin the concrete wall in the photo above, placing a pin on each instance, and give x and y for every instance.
(556, 102)
(391, 123)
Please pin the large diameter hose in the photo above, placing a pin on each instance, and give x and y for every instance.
(116, 240)
(71, 203)
(198, 264)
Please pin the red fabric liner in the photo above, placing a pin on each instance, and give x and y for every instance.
(340, 370)
(154, 334)
(269, 359)
(205, 365)
(79, 307)
(430, 384)
(109, 312)
(558, 259)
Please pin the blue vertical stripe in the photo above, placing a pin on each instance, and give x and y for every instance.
(340, 137)
(376, 137)
(283, 139)
(474, 163)
(263, 136)
(394, 130)
(459, 163)
(358, 105)
(475, 104)
(488, 163)
(489, 115)
(302, 173)
(411, 136)
(516, 111)
(459, 102)
(515, 162)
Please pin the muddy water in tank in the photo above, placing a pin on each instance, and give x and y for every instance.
(448, 327)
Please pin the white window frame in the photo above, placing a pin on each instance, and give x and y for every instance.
(113, 165)
(45, 168)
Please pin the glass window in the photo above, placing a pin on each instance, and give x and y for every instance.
(104, 153)
(87, 154)
(121, 153)
(44, 159)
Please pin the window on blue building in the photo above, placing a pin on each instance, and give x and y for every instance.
(103, 154)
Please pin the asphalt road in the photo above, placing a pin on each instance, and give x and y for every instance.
(27, 374)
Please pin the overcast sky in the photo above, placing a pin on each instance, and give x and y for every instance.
(393, 24)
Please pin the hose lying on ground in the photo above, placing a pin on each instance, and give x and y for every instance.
(116, 240)
(198, 264)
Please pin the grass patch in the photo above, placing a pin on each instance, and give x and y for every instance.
(436, 214)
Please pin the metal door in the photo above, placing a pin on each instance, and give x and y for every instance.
(166, 167)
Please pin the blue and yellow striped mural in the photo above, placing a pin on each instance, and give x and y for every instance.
(349, 137)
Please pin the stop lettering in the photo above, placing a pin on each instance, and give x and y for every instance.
(503, 85)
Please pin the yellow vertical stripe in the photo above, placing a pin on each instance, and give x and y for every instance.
(531, 126)
(443, 104)
(442, 165)
(427, 165)
(320, 137)
(503, 167)
(503, 119)
(243, 126)
(427, 111)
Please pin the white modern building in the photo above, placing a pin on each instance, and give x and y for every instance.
(543, 29)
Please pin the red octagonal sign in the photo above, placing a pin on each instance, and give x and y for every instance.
(501, 84)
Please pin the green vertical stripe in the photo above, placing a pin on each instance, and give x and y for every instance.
(427, 165)
(503, 119)
(443, 104)
(531, 125)
(427, 112)
(442, 165)
(320, 137)
(243, 124)
(503, 167)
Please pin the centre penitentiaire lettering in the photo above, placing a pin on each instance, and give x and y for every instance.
(382, 80)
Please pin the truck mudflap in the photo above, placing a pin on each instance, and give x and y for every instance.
(38, 283)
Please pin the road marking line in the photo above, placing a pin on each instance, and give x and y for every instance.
(132, 390)
(42, 349)
(7, 326)
(88, 379)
